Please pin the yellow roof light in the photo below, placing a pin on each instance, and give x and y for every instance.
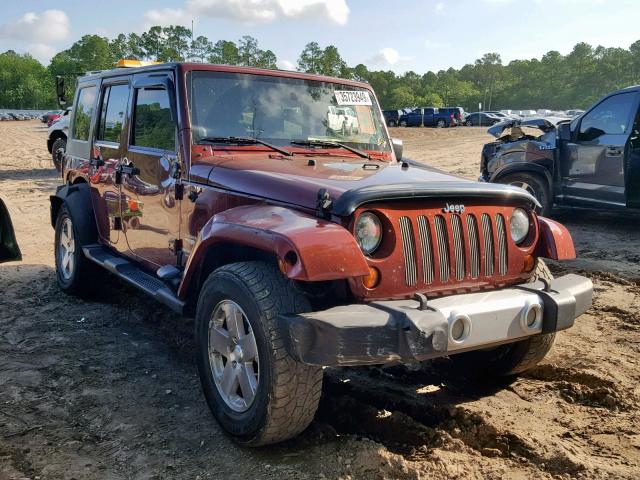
(124, 63)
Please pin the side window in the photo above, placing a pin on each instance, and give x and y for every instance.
(84, 113)
(152, 126)
(612, 116)
(114, 108)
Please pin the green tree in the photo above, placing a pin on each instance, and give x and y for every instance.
(224, 52)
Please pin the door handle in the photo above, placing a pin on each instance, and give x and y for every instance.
(613, 151)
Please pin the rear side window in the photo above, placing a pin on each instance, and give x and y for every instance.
(114, 108)
(611, 116)
(84, 113)
(153, 127)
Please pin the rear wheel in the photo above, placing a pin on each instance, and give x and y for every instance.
(57, 152)
(513, 358)
(403, 123)
(258, 393)
(441, 124)
(535, 185)
(392, 123)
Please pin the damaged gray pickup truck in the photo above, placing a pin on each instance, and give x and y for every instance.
(589, 161)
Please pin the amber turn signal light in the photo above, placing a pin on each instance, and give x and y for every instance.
(529, 263)
(373, 279)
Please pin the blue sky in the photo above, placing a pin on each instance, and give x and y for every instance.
(400, 35)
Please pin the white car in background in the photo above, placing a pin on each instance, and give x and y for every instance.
(342, 120)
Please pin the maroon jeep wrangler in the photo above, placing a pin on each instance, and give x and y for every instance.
(296, 238)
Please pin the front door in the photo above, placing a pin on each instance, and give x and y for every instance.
(632, 171)
(593, 161)
(105, 157)
(151, 213)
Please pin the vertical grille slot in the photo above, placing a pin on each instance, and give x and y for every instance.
(487, 233)
(502, 244)
(427, 249)
(443, 247)
(458, 246)
(408, 250)
(474, 245)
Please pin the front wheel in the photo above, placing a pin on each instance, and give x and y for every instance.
(535, 185)
(258, 393)
(392, 123)
(441, 124)
(513, 358)
(403, 123)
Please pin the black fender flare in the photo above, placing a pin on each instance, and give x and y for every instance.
(77, 199)
(524, 167)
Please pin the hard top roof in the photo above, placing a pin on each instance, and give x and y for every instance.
(186, 67)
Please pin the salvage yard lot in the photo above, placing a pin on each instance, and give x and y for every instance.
(109, 389)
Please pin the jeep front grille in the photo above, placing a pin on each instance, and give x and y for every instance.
(454, 242)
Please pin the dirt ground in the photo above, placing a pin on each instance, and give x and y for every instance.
(109, 390)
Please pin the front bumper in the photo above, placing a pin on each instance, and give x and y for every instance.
(403, 331)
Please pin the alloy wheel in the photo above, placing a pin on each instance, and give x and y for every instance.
(66, 249)
(233, 356)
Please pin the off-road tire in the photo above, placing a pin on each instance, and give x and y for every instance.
(60, 143)
(538, 187)
(513, 358)
(288, 391)
(86, 276)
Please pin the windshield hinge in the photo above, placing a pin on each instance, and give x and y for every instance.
(323, 207)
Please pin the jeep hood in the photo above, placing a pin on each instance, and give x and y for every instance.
(546, 124)
(349, 182)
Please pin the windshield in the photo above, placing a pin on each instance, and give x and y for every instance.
(281, 110)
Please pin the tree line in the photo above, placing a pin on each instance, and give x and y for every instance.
(555, 81)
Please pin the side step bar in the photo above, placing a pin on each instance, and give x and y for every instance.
(132, 274)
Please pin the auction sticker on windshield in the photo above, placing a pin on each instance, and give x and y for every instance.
(350, 97)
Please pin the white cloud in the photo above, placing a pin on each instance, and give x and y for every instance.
(286, 65)
(167, 16)
(252, 11)
(387, 57)
(42, 52)
(48, 26)
(439, 8)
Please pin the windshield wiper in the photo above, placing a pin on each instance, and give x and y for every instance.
(246, 141)
(329, 144)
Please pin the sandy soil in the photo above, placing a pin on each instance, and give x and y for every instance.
(109, 389)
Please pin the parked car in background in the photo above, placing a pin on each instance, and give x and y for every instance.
(57, 135)
(429, 117)
(573, 113)
(47, 116)
(9, 250)
(481, 119)
(457, 114)
(392, 117)
(591, 161)
(294, 248)
(51, 119)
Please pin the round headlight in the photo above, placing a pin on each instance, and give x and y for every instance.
(519, 225)
(368, 232)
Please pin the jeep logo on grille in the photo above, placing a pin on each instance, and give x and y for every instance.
(451, 208)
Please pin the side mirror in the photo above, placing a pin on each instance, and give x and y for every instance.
(564, 131)
(397, 148)
(60, 90)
